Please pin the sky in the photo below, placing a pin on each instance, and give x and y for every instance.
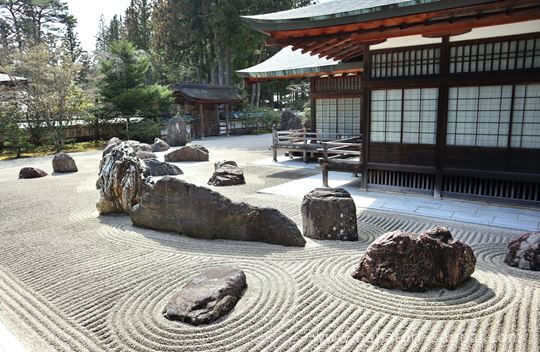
(88, 12)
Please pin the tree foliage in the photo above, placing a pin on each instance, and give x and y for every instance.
(122, 84)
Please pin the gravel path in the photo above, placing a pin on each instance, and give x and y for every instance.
(73, 281)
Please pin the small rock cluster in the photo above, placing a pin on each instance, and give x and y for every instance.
(61, 163)
(416, 262)
(207, 297)
(524, 252)
(124, 173)
(227, 173)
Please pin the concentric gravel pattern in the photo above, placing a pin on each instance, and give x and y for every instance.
(74, 281)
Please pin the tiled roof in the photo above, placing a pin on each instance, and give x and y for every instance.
(207, 93)
(289, 62)
(338, 12)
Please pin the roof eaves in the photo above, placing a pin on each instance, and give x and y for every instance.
(405, 8)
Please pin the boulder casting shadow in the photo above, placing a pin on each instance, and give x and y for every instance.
(177, 206)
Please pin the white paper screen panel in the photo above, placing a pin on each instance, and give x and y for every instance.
(526, 118)
(404, 116)
(338, 116)
(479, 116)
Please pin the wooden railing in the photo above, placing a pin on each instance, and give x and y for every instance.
(304, 142)
(343, 155)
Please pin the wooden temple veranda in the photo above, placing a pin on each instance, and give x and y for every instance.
(443, 95)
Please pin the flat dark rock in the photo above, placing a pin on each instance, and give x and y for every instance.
(63, 163)
(177, 206)
(155, 167)
(31, 172)
(329, 214)
(207, 297)
(160, 145)
(524, 252)
(227, 175)
(188, 153)
(413, 262)
(146, 155)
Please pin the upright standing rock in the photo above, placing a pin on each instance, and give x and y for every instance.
(524, 252)
(207, 296)
(63, 163)
(289, 121)
(177, 134)
(329, 214)
(120, 180)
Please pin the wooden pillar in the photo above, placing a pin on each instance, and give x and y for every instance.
(217, 117)
(442, 116)
(227, 117)
(201, 112)
(365, 119)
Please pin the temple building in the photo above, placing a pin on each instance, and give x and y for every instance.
(443, 94)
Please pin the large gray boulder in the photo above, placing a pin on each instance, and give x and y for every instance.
(63, 163)
(524, 252)
(160, 145)
(153, 167)
(207, 297)
(31, 172)
(177, 134)
(413, 262)
(193, 152)
(329, 214)
(289, 121)
(120, 180)
(177, 206)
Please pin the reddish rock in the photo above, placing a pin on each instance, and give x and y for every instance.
(524, 252)
(413, 262)
(188, 153)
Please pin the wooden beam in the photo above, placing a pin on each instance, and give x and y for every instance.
(440, 27)
(201, 112)
(286, 36)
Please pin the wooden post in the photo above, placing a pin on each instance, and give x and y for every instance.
(442, 116)
(274, 142)
(325, 165)
(227, 117)
(304, 155)
(218, 122)
(201, 112)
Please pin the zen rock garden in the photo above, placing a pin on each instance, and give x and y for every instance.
(132, 181)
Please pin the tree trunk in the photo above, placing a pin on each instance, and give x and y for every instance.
(228, 67)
